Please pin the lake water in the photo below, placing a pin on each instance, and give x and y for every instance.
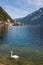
(23, 36)
(23, 40)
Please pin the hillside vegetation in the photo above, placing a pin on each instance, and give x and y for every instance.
(4, 16)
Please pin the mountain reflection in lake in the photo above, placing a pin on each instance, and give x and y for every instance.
(2, 31)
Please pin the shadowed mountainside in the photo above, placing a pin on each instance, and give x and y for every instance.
(33, 18)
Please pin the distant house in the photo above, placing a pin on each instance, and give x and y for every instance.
(0, 20)
(8, 21)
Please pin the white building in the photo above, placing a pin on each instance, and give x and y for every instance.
(0, 20)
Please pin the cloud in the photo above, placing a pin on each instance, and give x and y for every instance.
(15, 12)
(20, 8)
(34, 2)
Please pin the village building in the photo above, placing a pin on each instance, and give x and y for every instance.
(0, 20)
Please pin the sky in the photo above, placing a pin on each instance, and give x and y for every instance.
(20, 8)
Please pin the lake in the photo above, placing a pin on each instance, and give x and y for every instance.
(26, 41)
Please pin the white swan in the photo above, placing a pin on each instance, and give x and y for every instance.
(14, 56)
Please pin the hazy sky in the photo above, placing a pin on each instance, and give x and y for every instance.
(20, 8)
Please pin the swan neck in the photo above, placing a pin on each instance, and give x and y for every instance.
(11, 53)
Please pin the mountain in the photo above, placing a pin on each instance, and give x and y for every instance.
(33, 19)
(4, 16)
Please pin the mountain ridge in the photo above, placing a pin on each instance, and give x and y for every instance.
(33, 18)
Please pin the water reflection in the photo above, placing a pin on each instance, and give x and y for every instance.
(22, 36)
(3, 29)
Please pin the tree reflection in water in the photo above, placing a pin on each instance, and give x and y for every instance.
(3, 29)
